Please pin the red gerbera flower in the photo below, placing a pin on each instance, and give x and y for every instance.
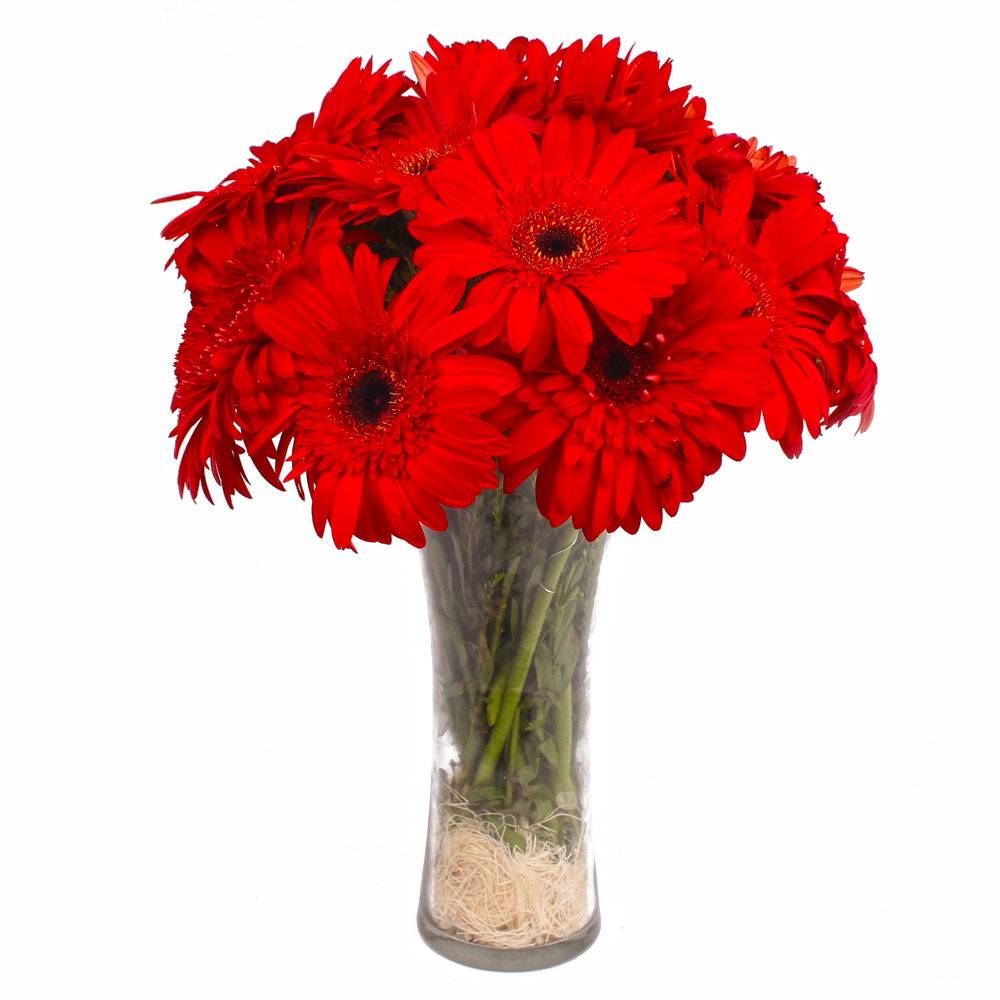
(798, 254)
(350, 114)
(636, 432)
(380, 179)
(469, 83)
(851, 374)
(393, 177)
(627, 93)
(464, 88)
(225, 363)
(777, 180)
(386, 424)
(734, 186)
(359, 102)
(236, 191)
(579, 214)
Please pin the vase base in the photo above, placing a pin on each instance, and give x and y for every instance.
(480, 956)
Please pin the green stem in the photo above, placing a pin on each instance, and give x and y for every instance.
(496, 693)
(564, 741)
(563, 787)
(513, 763)
(525, 653)
(508, 582)
(470, 751)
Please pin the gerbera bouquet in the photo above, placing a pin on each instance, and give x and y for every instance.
(524, 300)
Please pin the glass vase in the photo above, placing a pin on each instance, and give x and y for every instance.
(509, 880)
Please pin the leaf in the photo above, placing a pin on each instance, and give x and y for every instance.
(567, 659)
(448, 604)
(458, 560)
(493, 710)
(505, 654)
(514, 839)
(566, 615)
(562, 646)
(449, 627)
(450, 690)
(544, 673)
(511, 574)
(542, 803)
(526, 773)
(484, 792)
(486, 665)
(548, 747)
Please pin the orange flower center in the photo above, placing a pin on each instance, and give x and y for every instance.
(566, 228)
(418, 162)
(418, 155)
(557, 238)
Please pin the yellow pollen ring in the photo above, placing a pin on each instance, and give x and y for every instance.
(420, 161)
(414, 157)
(559, 224)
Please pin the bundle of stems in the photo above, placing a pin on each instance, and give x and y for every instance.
(511, 599)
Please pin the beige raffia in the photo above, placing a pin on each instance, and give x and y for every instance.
(492, 893)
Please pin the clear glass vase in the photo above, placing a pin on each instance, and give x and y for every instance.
(509, 879)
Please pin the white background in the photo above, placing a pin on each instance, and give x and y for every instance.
(215, 727)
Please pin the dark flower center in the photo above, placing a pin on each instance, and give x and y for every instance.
(616, 365)
(557, 242)
(369, 398)
(619, 369)
(560, 226)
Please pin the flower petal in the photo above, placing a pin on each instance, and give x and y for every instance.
(618, 294)
(522, 315)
